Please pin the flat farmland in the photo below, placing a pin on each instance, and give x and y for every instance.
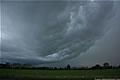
(59, 74)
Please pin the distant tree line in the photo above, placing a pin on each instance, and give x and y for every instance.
(8, 65)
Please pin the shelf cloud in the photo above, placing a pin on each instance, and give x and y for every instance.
(51, 31)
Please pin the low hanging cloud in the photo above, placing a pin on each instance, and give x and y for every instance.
(51, 31)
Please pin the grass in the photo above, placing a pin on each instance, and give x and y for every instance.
(60, 74)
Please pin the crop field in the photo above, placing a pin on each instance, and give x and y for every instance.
(60, 74)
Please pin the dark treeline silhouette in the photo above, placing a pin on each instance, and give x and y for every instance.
(7, 65)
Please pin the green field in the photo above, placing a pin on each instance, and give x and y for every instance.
(59, 74)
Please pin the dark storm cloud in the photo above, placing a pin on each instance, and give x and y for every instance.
(50, 31)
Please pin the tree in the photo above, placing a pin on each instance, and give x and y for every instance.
(68, 66)
(106, 65)
(55, 68)
(97, 66)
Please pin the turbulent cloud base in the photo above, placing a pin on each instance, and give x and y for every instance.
(48, 31)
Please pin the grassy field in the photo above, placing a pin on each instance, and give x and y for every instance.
(60, 74)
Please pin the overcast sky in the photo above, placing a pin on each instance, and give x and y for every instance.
(56, 33)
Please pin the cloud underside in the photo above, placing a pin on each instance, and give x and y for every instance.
(51, 31)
